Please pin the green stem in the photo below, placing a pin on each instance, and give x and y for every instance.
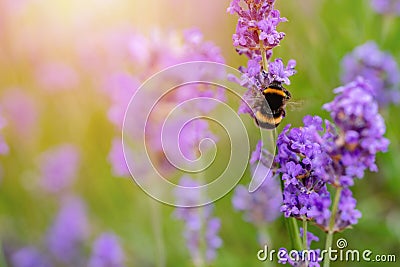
(201, 260)
(329, 237)
(305, 234)
(386, 27)
(263, 235)
(3, 261)
(305, 237)
(264, 239)
(294, 233)
(156, 219)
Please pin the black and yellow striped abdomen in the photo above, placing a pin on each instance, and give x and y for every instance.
(271, 115)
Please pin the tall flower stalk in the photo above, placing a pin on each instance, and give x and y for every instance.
(256, 36)
(201, 227)
(379, 68)
(320, 157)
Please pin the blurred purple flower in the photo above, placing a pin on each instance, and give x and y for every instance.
(117, 159)
(191, 135)
(114, 49)
(68, 231)
(164, 50)
(58, 167)
(355, 113)
(20, 109)
(56, 76)
(386, 6)
(200, 226)
(257, 23)
(29, 257)
(107, 252)
(179, 138)
(120, 87)
(262, 205)
(379, 68)
(198, 91)
(3, 145)
(196, 49)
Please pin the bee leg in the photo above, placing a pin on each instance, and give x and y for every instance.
(288, 95)
(283, 112)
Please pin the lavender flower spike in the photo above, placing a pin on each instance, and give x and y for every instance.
(355, 112)
(303, 162)
(386, 6)
(58, 167)
(69, 231)
(256, 26)
(263, 204)
(3, 145)
(107, 252)
(198, 221)
(29, 257)
(378, 67)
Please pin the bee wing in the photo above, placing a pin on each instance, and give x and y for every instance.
(295, 105)
(256, 100)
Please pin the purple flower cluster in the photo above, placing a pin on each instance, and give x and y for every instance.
(21, 112)
(262, 205)
(347, 213)
(386, 6)
(58, 167)
(355, 113)
(56, 76)
(69, 231)
(302, 162)
(379, 68)
(254, 76)
(256, 27)
(107, 252)
(256, 36)
(117, 159)
(3, 145)
(200, 226)
(312, 158)
(29, 257)
(121, 86)
(66, 240)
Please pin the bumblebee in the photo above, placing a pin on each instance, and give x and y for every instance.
(270, 106)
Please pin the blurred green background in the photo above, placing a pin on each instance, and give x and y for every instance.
(318, 34)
